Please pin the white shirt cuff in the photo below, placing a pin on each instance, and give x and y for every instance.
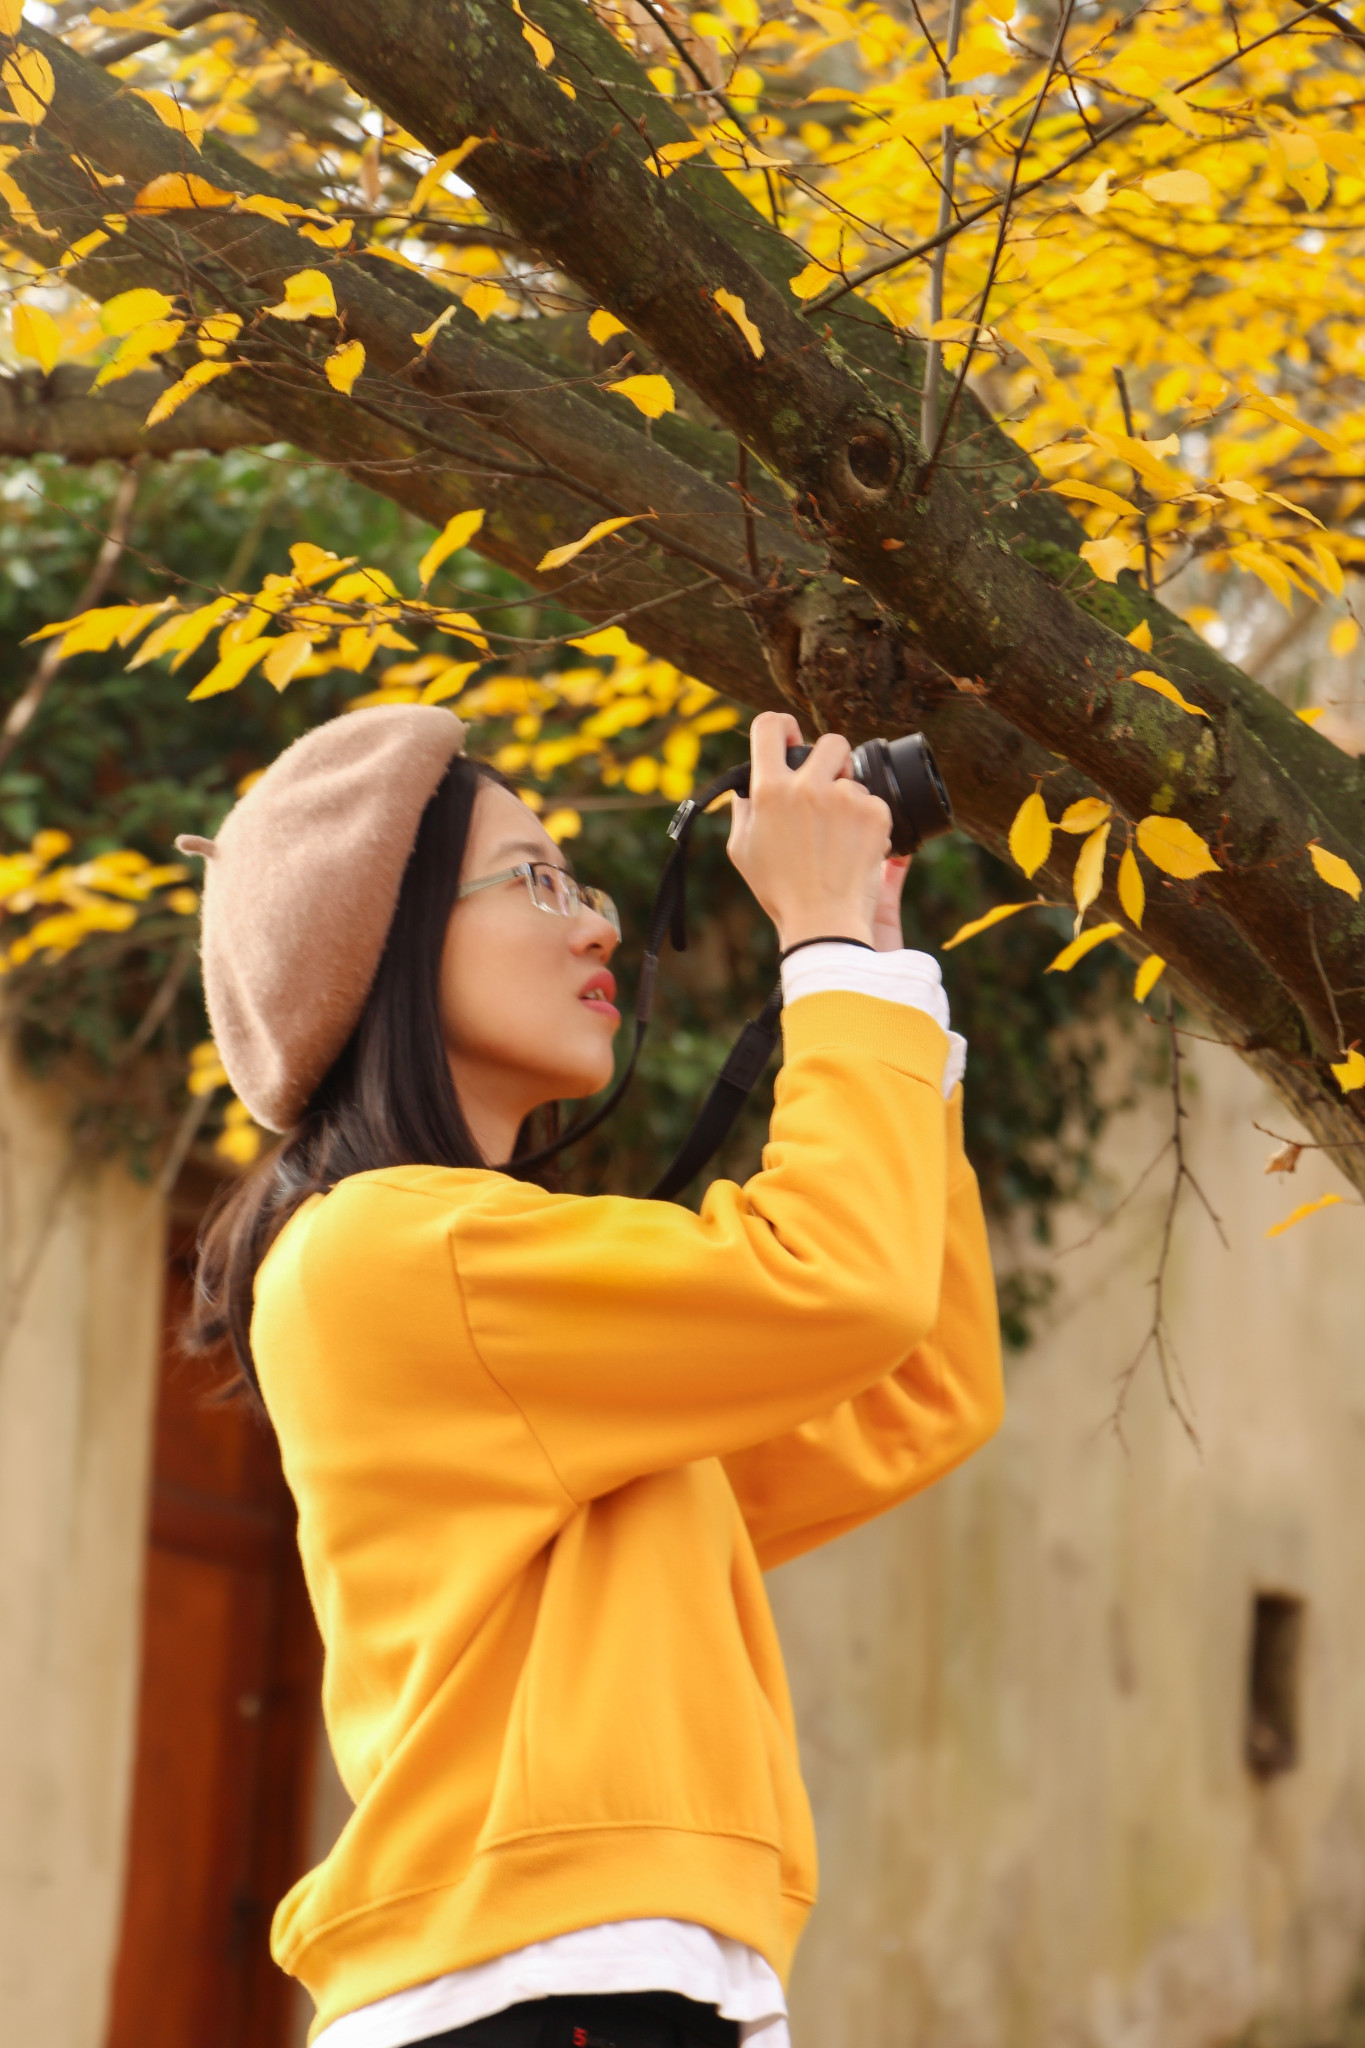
(904, 976)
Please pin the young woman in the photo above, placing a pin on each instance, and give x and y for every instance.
(543, 1446)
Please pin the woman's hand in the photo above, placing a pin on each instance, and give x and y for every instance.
(887, 935)
(811, 841)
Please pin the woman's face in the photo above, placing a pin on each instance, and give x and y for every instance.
(526, 996)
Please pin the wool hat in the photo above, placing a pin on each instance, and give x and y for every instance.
(300, 887)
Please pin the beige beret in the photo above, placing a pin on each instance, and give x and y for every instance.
(300, 887)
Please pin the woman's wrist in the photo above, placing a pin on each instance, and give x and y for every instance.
(833, 925)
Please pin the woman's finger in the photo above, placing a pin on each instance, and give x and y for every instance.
(770, 735)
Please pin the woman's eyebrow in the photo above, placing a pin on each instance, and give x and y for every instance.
(535, 849)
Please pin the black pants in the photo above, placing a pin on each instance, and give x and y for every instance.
(639, 2019)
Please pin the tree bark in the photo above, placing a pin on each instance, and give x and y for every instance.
(479, 422)
(61, 415)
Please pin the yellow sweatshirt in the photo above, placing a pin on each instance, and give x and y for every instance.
(543, 1447)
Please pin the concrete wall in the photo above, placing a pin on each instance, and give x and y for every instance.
(81, 1262)
(1022, 1697)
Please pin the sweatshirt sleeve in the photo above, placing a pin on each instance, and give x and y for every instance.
(894, 1438)
(636, 1336)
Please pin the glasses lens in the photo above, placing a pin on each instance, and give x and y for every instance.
(598, 900)
(553, 890)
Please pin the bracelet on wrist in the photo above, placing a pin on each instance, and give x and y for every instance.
(831, 939)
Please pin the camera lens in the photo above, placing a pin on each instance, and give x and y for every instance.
(904, 775)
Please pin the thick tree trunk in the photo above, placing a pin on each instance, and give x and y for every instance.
(493, 425)
(61, 415)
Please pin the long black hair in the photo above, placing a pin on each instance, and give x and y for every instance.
(388, 1100)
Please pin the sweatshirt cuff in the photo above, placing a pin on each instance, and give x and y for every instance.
(903, 976)
(897, 1033)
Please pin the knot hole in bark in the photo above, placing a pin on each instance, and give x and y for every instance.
(867, 463)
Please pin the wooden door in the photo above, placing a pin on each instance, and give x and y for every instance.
(223, 1775)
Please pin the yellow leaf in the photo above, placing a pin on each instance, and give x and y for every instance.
(810, 282)
(1304, 1209)
(312, 563)
(483, 299)
(1342, 639)
(1179, 188)
(286, 658)
(664, 160)
(83, 248)
(28, 79)
(454, 535)
(182, 634)
(1350, 1072)
(231, 668)
(308, 295)
(36, 336)
(1261, 401)
(1085, 814)
(281, 211)
(563, 824)
(1312, 714)
(436, 173)
(612, 640)
(1147, 977)
(463, 625)
(328, 234)
(449, 683)
(177, 191)
(1095, 494)
(542, 48)
(1335, 871)
(344, 365)
(603, 325)
(1089, 875)
(138, 348)
(17, 201)
(982, 924)
(175, 395)
(1132, 892)
(11, 17)
(557, 557)
(217, 331)
(1171, 845)
(1078, 948)
(1107, 557)
(652, 396)
(168, 109)
(429, 334)
(1096, 195)
(1140, 637)
(1240, 493)
(730, 303)
(127, 310)
(1150, 680)
(1031, 834)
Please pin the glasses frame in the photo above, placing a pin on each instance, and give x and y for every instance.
(596, 900)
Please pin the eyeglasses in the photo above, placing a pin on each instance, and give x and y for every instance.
(550, 888)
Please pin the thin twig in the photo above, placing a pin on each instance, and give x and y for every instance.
(1006, 212)
(1141, 491)
(27, 703)
(1116, 127)
(1322, 975)
(1158, 1337)
(750, 536)
(933, 355)
(1307, 1144)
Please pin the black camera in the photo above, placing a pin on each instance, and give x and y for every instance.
(904, 775)
(901, 772)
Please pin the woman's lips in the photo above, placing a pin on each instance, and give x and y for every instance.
(597, 993)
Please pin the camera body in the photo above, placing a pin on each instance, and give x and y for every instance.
(902, 772)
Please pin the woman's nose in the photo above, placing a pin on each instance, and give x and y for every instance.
(590, 932)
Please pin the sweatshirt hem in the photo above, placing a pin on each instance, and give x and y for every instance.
(531, 1888)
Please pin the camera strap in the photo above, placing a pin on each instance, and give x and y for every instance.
(749, 1055)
